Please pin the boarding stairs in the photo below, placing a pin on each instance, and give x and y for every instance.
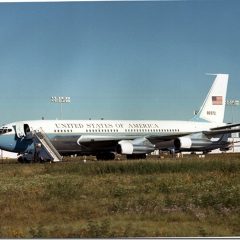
(41, 139)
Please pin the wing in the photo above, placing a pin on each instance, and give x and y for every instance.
(101, 142)
(229, 128)
(167, 136)
(84, 139)
(110, 142)
(102, 138)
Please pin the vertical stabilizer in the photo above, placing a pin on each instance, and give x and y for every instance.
(213, 107)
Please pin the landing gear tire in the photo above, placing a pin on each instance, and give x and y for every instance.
(136, 156)
(105, 156)
(22, 160)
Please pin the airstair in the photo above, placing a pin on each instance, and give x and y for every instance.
(45, 146)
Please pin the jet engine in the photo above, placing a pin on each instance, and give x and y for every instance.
(183, 142)
(137, 146)
(186, 143)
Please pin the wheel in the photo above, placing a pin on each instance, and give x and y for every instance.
(20, 160)
(23, 160)
(105, 156)
(136, 156)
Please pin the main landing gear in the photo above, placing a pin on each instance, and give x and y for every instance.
(136, 156)
(21, 159)
(111, 156)
(105, 156)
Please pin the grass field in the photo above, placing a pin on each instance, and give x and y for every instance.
(145, 198)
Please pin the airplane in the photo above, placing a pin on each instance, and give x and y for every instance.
(49, 140)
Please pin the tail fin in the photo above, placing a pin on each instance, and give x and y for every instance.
(213, 107)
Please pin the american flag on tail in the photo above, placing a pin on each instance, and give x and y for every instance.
(217, 100)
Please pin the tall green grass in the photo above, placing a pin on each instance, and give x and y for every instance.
(146, 167)
(173, 197)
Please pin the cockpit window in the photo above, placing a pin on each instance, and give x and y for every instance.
(5, 130)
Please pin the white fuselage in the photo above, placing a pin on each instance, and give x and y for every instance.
(115, 127)
(104, 137)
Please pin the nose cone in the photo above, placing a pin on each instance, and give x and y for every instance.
(7, 142)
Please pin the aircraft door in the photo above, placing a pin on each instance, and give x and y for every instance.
(20, 130)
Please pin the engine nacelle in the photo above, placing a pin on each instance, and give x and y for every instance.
(125, 147)
(183, 143)
(197, 144)
(133, 147)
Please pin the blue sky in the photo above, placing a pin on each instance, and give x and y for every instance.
(116, 60)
